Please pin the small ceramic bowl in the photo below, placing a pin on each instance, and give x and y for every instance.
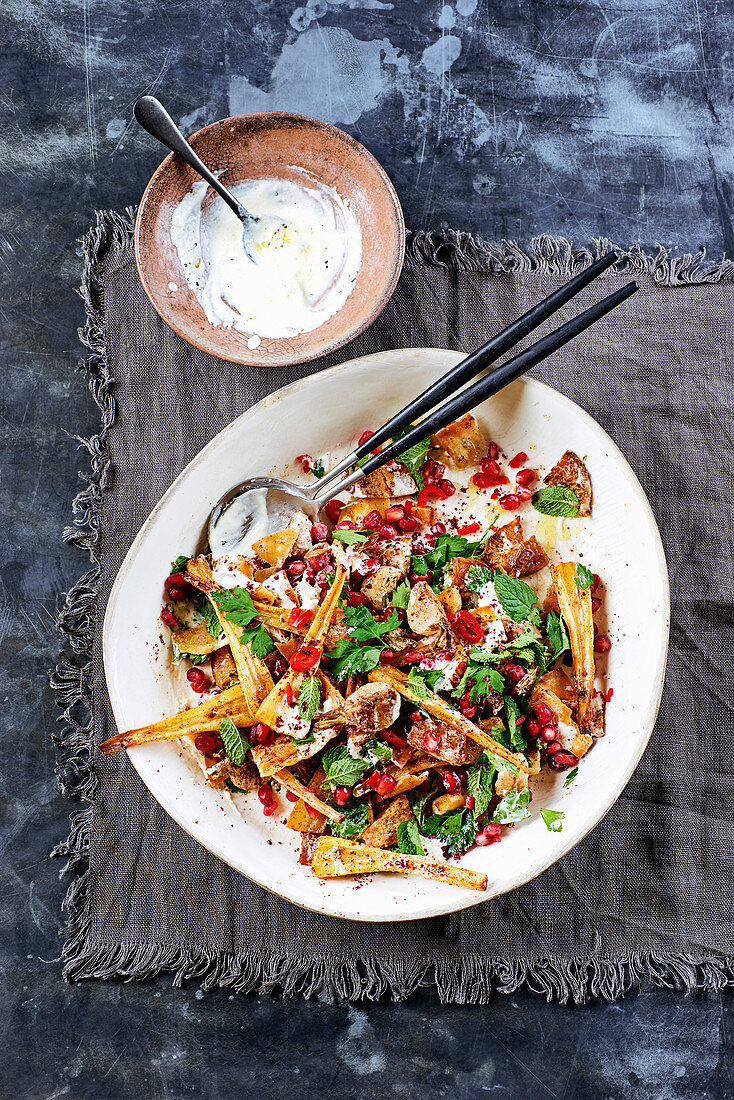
(266, 144)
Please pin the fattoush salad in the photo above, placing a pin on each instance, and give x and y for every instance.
(395, 677)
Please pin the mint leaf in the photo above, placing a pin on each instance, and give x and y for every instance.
(553, 819)
(417, 684)
(401, 595)
(180, 563)
(512, 713)
(477, 577)
(355, 821)
(409, 839)
(378, 750)
(211, 619)
(513, 807)
(584, 577)
(557, 634)
(350, 537)
(418, 803)
(235, 745)
(480, 785)
(342, 770)
(556, 500)
(517, 598)
(414, 458)
(455, 830)
(309, 697)
(570, 777)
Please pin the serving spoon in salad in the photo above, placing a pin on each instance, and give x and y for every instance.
(153, 117)
(261, 505)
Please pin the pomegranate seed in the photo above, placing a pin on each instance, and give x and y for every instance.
(386, 785)
(169, 619)
(395, 739)
(494, 451)
(206, 743)
(602, 643)
(199, 681)
(373, 520)
(415, 577)
(263, 734)
(548, 733)
(492, 832)
(518, 460)
(491, 467)
(295, 569)
(595, 604)
(553, 747)
(525, 477)
(451, 782)
(544, 713)
(515, 672)
(341, 795)
(333, 509)
(291, 796)
(562, 760)
(313, 811)
(366, 567)
(306, 462)
(354, 599)
(596, 582)
(430, 741)
(510, 501)
(407, 523)
(366, 434)
(372, 780)
(412, 657)
(532, 727)
(280, 667)
(608, 695)
(415, 716)
(265, 794)
(438, 529)
(447, 487)
(469, 712)
(176, 580)
(319, 531)
(408, 507)
(470, 802)
(270, 809)
(388, 532)
(395, 513)
(346, 525)
(481, 839)
(523, 494)
(177, 594)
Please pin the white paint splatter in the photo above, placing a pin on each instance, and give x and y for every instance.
(439, 57)
(357, 1049)
(115, 129)
(314, 10)
(447, 18)
(188, 122)
(466, 7)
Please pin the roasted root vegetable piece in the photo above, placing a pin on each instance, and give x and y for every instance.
(301, 820)
(275, 548)
(571, 472)
(255, 679)
(332, 857)
(283, 752)
(202, 719)
(196, 640)
(356, 510)
(434, 705)
(462, 441)
(224, 670)
(383, 832)
(243, 776)
(289, 781)
(372, 707)
(575, 605)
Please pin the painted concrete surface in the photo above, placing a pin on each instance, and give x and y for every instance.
(509, 119)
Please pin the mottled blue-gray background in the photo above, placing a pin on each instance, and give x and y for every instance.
(508, 118)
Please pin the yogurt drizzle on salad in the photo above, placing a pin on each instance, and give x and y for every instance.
(307, 255)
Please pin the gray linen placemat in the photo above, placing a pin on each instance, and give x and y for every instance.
(647, 895)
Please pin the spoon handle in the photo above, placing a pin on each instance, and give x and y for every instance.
(153, 117)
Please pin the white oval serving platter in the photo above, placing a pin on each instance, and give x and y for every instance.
(326, 412)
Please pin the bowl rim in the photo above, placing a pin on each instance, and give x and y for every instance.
(461, 899)
(334, 345)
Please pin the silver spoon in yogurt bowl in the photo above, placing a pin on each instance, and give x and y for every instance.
(153, 117)
(263, 505)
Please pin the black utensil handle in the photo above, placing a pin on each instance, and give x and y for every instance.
(484, 356)
(499, 378)
(153, 117)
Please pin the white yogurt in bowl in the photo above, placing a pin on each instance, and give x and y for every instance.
(307, 252)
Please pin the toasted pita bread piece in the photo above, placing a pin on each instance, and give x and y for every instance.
(299, 819)
(275, 548)
(434, 705)
(508, 550)
(462, 441)
(571, 472)
(332, 857)
(383, 832)
(205, 718)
